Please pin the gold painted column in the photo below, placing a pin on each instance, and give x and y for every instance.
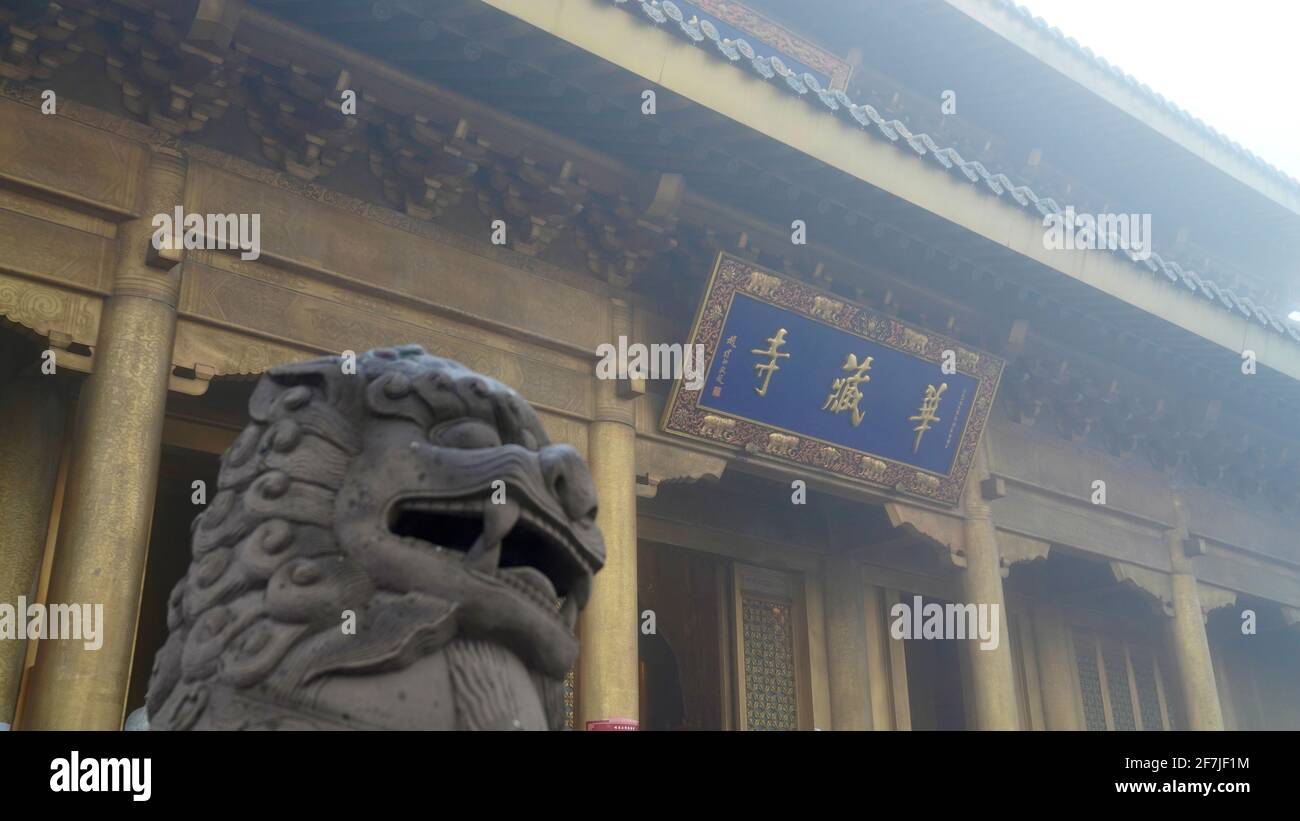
(32, 416)
(846, 645)
(1055, 672)
(992, 673)
(1191, 646)
(608, 663)
(104, 534)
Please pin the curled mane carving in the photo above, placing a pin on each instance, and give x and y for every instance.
(418, 500)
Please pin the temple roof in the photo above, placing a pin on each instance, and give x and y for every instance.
(764, 62)
(1151, 94)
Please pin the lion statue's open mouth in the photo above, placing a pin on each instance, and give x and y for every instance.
(419, 503)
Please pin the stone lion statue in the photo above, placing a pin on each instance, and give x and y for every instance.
(395, 548)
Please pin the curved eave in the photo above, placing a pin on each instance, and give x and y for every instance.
(618, 37)
(1112, 87)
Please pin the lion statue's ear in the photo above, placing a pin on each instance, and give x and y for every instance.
(323, 377)
(324, 589)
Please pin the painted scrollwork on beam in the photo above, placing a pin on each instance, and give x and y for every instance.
(214, 352)
(62, 315)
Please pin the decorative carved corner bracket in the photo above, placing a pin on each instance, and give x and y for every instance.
(659, 463)
(1013, 548)
(1152, 582)
(206, 349)
(1212, 598)
(65, 317)
(943, 530)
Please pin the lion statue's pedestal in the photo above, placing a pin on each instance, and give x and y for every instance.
(395, 548)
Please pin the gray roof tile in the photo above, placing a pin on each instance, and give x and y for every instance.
(1154, 96)
(865, 115)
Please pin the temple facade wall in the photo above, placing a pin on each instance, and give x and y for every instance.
(338, 273)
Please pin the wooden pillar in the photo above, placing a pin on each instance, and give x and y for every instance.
(32, 416)
(846, 645)
(1055, 670)
(1187, 634)
(608, 662)
(1192, 652)
(104, 534)
(992, 672)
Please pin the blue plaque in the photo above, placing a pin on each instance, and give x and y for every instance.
(807, 377)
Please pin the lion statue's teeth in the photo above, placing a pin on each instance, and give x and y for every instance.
(400, 547)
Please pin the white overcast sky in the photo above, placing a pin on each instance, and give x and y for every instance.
(1235, 64)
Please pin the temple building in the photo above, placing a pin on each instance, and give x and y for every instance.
(993, 338)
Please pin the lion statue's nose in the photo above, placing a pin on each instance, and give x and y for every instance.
(365, 493)
(569, 481)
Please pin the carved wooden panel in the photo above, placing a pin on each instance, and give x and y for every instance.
(53, 252)
(230, 353)
(322, 324)
(771, 657)
(1117, 685)
(1249, 525)
(1059, 521)
(60, 156)
(1094, 708)
(1236, 572)
(771, 701)
(351, 246)
(59, 214)
(1121, 683)
(207, 267)
(1144, 675)
(1047, 461)
(48, 309)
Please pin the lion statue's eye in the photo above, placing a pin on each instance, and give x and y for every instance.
(465, 433)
